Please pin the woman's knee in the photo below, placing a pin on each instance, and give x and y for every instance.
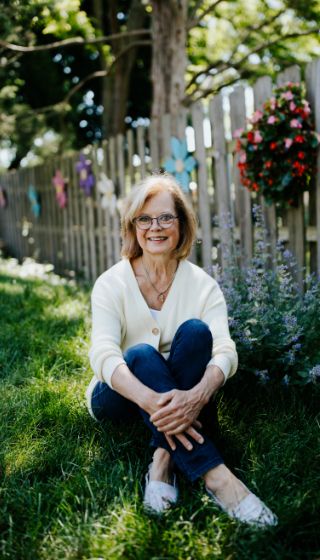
(196, 330)
(138, 353)
(149, 366)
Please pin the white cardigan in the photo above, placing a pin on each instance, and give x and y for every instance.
(121, 318)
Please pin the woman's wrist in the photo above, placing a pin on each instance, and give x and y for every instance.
(212, 380)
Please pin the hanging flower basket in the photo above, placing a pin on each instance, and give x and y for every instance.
(277, 153)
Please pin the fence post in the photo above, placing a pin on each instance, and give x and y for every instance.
(203, 195)
(313, 89)
(221, 184)
(262, 90)
(243, 198)
(295, 216)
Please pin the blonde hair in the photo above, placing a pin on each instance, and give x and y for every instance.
(134, 202)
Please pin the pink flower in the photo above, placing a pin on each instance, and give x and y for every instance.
(257, 138)
(288, 142)
(273, 103)
(294, 123)
(306, 107)
(237, 133)
(272, 119)
(292, 106)
(288, 95)
(256, 117)
(243, 157)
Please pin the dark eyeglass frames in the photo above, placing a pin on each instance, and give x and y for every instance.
(163, 221)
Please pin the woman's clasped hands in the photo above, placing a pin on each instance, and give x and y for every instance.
(176, 415)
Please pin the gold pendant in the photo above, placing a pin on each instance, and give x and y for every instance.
(161, 297)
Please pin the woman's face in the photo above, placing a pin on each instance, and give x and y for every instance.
(157, 240)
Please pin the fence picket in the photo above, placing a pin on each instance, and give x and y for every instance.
(262, 90)
(203, 196)
(243, 198)
(222, 192)
(313, 88)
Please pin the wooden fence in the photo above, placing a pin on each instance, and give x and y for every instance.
(83, 239)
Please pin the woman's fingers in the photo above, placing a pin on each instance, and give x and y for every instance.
(197, 424)
(162, 413)
(170, 442)
(185, 442)
(165, 397)
(194, 434)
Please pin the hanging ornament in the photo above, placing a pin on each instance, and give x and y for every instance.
(108, 197)
(181, 163)
(60, 184)
(3, 198)
(86, 176)
(34, 199)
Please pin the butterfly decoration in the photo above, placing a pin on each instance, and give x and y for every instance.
(86, 176)
(108, 197)
(60, 184)
(3, 198)
(181, 163)
(34, 199)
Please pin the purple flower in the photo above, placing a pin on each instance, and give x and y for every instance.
(86, 177)
(314, 374)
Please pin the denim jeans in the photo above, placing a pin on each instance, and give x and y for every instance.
(190, 352)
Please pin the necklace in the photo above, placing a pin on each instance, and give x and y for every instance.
(161, 295)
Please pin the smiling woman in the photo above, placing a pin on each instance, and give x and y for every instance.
(161, 349)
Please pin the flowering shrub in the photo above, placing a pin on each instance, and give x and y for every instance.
(275, 327)
(278, 151)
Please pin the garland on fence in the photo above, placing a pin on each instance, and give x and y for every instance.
(86, 176)
(181, 163)
(60, 185)
(34, 199)
(108, 198)
(277, 153)
(3, 198)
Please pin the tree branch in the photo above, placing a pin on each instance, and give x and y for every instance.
(72, 41)
(189, 100)
(229, 63)
(196, 20)
(63, 104)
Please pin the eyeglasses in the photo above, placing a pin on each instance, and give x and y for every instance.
(163, 221)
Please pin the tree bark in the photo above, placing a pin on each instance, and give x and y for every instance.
(116, 86)
(169, 38)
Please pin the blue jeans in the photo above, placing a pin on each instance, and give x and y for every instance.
(190, 352)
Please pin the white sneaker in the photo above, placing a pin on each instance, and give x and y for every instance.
(159, 496)
(250, 510)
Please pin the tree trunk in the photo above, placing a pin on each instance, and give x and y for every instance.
(169, 38)
(116, 85)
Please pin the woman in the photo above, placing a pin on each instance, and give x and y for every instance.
(161, 348)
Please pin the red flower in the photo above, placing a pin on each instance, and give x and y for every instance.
(270, 182)
(299, 139)
(268, 164)
(255, 186)
(301, 155)
(273, 145)
(250, 136)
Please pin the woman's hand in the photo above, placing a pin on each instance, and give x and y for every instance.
(178, 411)
(153, 405)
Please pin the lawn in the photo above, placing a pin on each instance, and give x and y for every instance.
(71, 489)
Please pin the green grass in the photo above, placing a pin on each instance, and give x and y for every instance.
(71, 489)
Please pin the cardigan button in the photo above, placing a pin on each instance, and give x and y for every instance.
(155, 331)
